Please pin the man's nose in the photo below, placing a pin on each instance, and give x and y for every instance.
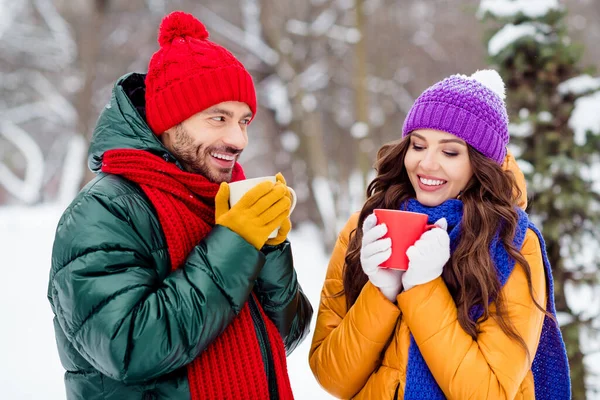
(236, 137)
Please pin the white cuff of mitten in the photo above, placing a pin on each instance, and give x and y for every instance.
(376, 250)
(419, 278)
(391, 292)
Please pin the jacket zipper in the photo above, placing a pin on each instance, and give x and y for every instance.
(265, 348)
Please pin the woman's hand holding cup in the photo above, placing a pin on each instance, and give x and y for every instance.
(375, 250)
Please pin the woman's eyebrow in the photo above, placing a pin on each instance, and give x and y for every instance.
(462, 142)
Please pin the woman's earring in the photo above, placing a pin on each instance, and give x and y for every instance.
(459, 194)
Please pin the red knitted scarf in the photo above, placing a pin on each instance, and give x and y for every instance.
(232, 366)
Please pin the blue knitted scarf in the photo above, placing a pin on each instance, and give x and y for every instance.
(550, 366)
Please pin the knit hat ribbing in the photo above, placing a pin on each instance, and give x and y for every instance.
(189, 74)
(471, 108)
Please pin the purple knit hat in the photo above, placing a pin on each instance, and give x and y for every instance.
(471, 108)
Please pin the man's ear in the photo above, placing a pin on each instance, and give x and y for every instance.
(166, 136)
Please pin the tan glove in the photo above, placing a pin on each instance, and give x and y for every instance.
(286, 225)
(258, 213)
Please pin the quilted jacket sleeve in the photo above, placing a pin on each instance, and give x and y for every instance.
(282, 297)
(347, 344)
(494, 365)
(121, 307)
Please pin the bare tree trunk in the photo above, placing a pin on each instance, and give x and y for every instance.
(360, 82)
(89, 43)
(304, 153)
(308, 125)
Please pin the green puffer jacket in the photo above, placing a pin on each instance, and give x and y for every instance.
(126, 326)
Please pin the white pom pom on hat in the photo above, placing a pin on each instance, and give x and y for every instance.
(492, 80)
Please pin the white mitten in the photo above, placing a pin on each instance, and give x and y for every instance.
(373, 253)
(427, 257)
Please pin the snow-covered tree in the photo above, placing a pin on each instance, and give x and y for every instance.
(58, 62)
(554, 107)
(35, 45)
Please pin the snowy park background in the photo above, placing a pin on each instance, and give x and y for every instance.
(335, 79)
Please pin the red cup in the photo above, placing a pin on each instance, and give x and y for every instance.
(404, 228)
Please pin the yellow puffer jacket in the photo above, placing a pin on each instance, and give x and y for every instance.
(362, 353)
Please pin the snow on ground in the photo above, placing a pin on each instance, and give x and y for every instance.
(30, 368)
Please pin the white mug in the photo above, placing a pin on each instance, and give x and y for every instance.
(238, 189)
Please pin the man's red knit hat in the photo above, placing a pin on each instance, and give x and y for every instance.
(189, 73)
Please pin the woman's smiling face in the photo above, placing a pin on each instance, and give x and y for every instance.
(438, 166)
